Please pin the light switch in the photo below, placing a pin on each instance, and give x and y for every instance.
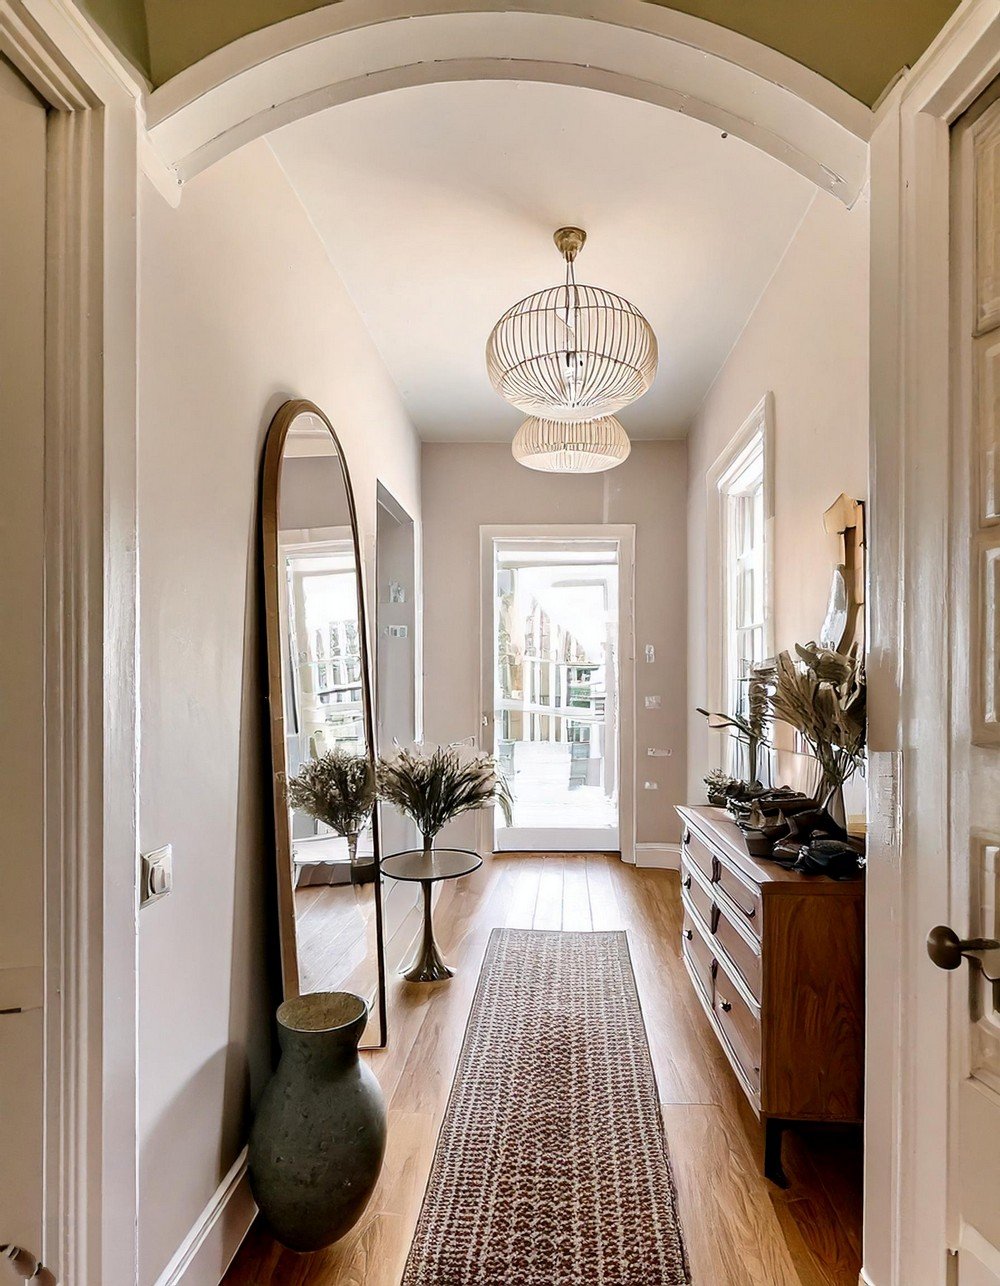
(156, 874)
(653, 703)
(650, 654)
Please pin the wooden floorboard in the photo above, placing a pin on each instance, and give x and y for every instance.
(740, 1229)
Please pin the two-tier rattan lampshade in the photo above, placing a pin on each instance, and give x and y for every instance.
(571, 352)
(569, 446)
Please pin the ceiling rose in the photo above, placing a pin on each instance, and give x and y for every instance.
(569, 446)
(571, 352)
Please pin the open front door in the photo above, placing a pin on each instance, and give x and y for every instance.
(974, 773)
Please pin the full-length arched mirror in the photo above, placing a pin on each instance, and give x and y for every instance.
(328, 886)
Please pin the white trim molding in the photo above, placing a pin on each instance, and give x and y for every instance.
(909, 1221)
(624, 534)
(91, 706)
(658, 857)
(207, 1251)
(759, 421)
(338, 53)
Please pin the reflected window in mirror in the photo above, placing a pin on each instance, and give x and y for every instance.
(319, 681)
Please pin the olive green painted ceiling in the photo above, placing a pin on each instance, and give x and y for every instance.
(858, 44)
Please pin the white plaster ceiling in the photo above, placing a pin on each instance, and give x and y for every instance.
(437, 206)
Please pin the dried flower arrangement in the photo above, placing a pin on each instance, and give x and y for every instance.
(821, 693)
(437, 785)
(338, 789)
(754, 727)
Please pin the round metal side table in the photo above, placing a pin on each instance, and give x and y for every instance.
(427, 866)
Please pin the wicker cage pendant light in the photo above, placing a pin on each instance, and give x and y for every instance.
(569, 446)
(571, 352)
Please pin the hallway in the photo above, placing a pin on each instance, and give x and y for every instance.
(740, 1229)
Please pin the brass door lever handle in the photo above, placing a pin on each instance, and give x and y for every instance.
(947, 950)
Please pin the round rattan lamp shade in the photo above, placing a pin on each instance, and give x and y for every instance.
(571, 353)
(567, 446)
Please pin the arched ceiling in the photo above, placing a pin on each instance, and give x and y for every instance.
(857, 44)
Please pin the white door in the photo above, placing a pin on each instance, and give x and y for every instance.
(557, 685)
(22, 661)
(974, 1128)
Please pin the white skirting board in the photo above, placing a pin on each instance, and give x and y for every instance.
(207, 1251)
(660, 857)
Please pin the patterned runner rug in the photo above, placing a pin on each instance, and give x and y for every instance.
(551, 1168)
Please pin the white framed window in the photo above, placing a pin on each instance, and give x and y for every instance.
(740, 630)
(744, 554)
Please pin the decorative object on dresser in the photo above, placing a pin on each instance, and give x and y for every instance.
(776, 958)
(844, 620)
(821, 694)
(318, 1139)
(338, 789)
(751, 727)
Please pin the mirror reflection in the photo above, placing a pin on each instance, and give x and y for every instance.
(327, 837)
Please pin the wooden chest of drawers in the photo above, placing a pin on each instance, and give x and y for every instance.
(777, 961)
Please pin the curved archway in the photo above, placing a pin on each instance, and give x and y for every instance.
(628, 47)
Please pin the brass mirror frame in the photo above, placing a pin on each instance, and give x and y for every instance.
(274, 447)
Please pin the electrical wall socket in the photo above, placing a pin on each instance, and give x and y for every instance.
(658, 754)
(650, 785)
(653, 703)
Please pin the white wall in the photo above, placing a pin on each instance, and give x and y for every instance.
(807, 342)
(240, 309)
(467, 485)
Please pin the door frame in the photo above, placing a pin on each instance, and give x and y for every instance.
(910, 1219)
(91, 707)
(624, 534)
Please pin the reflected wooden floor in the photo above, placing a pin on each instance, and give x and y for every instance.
(740, 1229)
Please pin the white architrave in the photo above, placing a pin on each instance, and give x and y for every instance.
(629, 47)
(90, 698)
(909, 1224)
(760, 421)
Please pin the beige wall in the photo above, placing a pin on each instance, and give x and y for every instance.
(472, 484)
(807, 342)
(240, 309)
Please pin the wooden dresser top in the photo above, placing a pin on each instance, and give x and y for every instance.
(717, 828)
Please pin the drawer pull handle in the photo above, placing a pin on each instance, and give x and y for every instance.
(724, 1005)
(686, 881)
(716, 914)
(686, 837)
(689, 934)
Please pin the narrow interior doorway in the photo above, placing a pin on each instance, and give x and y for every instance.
(557, 666)
(395, 700)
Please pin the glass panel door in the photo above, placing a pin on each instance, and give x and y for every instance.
(556, 684)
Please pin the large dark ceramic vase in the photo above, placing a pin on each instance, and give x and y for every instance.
(317, 1144)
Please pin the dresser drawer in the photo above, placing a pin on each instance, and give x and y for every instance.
(698, 854)
(740, 1025)
(737, 951)
(696, 893)
(744, 896)
(698, 955)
